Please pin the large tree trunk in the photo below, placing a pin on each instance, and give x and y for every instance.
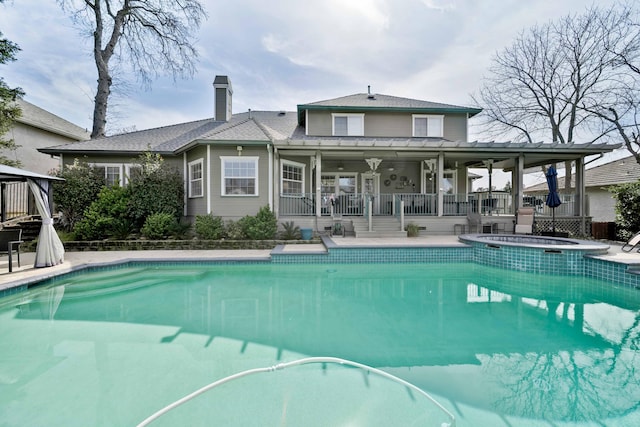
(100, 102)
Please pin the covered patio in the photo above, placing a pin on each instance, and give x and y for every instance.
(432, 185)
(49, 250)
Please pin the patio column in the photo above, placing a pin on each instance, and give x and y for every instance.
(579, 206)
(579, 209)
(275, 181)
(440, 186)
(318, 189)
(518, 183)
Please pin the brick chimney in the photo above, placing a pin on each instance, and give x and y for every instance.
(223, 94)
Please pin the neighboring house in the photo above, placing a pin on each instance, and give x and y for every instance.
(376, 160)
(37, 128)
(34, 129)
(597, 181)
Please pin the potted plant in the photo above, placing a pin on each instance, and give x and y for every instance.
(413, 230)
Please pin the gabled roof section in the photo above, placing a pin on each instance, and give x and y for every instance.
(367, 102)
(166, 139)
(621, 171)
(42, 119)
(259, 127)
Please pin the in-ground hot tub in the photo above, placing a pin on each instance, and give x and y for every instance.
(534, 254)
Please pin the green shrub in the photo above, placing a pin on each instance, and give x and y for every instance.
(181, 230)
(73, 196)
(413, 230)
(122, 228)
(263, 226)
(627, 208)
(158, 226)
(101, 218)
(290, 231)
(155, 187)
(209, 227)
(234, 230)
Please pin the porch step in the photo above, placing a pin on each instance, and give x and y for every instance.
(381, 227)
(381, 234)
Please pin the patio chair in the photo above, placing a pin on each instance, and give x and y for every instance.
(10, 240)
(524, 221)
(474, 221)
(632, 243)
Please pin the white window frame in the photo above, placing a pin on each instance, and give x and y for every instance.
(193, 180)
(223, 160)
(432, 130)
(302, 166)
(106, 166)
(352, 129)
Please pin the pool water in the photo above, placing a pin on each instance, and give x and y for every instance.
(496, 348)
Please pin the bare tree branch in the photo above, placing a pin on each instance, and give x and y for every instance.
(151, 37)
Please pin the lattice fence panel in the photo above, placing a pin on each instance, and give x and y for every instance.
(571, 225)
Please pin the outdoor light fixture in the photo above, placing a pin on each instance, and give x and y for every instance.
(373, 163)
(340, 166)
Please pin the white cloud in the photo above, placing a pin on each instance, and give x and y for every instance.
(441, 5)
(282, 53)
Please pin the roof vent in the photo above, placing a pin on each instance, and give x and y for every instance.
(369, 94)
(282, 113)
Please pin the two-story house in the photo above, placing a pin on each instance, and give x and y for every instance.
(377, 160)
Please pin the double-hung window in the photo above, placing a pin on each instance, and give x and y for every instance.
(348, 124)
(196, 178)
(428, 126)
(112, 173)
(292, 177)
(239, 176)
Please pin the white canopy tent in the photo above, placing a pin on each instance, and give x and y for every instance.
(49, 250)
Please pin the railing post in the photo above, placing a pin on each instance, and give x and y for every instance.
(369, 215)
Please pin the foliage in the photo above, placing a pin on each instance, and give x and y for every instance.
(74, 195)
(9, 110)
(158, 226)
(122, 228)
(627, 207)
(181, 230)
(146, 36)
(100, 219)
(263, 226)
(290, 231)
(234, 230)
(413, 230)
(209, 227)
(156, 188)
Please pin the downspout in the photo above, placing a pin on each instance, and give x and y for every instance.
(185, 178)
(208, 179)
(270, 191)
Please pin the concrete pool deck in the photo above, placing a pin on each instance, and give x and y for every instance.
(74, 260)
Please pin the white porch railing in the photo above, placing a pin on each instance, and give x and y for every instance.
(416, 204)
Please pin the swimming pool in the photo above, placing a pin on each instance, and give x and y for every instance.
(113, 345)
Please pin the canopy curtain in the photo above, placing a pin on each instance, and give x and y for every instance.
(49, 251)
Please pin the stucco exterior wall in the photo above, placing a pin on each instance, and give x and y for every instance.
(602, 205)
(30, 139)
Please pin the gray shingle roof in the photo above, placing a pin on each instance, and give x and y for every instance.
(257, 126)
(619, 171)
(42, 119)
(383, 102)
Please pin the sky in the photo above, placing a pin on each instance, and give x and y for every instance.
(280, 53)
